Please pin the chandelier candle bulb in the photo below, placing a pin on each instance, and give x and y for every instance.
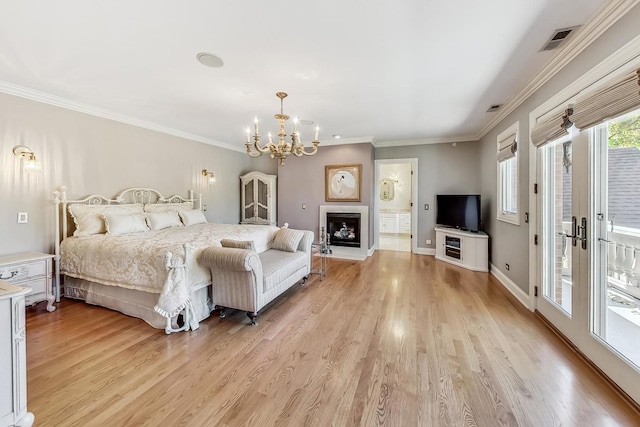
(248, 135)
(255, 121)
(317, 133)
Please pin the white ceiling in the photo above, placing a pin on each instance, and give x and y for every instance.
(399, 71)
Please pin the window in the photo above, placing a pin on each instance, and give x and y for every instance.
(507, 158)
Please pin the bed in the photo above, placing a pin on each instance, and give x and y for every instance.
(137, 253)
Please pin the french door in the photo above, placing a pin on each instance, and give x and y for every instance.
(588, 260)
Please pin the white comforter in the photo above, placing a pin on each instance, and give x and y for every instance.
(137, 261)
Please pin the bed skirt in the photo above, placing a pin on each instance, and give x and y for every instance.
(131, 302)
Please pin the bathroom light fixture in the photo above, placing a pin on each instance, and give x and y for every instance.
(30, 163)
(282, 148)
(210, 176)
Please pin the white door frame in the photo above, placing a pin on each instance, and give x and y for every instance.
(414, 201)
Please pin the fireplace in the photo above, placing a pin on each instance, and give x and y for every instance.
(343, 229)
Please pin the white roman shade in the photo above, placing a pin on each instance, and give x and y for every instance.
(551, 129)
(619, 97)
(507, 148)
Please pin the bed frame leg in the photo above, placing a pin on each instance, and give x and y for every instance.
(252, 316)
(222, 312)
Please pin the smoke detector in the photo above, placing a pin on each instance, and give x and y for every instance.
(558, 38)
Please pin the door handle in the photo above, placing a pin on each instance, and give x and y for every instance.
(574, 231)
(583, 233)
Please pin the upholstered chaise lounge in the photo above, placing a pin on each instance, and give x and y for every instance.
(246, 280)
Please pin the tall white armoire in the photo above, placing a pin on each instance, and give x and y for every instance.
(258, 198)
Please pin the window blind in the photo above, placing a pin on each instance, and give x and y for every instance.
(551, 129)
(507, 148)
(619, 97)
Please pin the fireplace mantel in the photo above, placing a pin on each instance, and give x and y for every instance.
(346, 252)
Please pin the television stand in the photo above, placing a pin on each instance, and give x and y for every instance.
(465, 249)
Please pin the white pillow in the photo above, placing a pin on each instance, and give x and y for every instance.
(164, 207)
(287, 240)
(89, 219)
(193, 216)
(162, 220)
(118, 224)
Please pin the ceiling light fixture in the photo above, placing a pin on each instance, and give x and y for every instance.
(283, 148)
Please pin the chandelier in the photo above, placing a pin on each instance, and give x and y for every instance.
(283, 148)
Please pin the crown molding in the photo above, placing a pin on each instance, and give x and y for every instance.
(346, 141)
(57, 101)
(426, 141)
(600, 22)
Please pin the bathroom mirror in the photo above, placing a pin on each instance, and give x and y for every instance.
(387, 191)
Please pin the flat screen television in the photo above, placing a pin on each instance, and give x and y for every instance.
(458, 210)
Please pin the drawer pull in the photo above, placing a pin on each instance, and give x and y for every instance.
(12, 274)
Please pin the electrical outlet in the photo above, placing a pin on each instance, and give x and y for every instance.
(506, 266)
(23, 217)
(428, 241)
(304, 206)
(426, 206)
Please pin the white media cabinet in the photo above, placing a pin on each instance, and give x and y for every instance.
(463, 248)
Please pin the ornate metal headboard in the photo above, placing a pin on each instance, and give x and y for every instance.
(125, 197)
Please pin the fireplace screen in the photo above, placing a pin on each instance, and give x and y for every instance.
(344, 229)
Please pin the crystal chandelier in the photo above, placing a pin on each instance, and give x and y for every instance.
(283, 148)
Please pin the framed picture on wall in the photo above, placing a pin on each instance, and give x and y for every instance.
(342, 183)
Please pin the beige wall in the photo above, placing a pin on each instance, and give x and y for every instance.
(92, 155)
(442, 169)
(301, 182)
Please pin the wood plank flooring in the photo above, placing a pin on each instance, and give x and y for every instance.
(397, 340)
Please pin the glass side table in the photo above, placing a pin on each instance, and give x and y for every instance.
(321, 248)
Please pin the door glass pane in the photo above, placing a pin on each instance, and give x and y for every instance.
(249, 200)
(263, 189)
(616, 274)
(556, 223)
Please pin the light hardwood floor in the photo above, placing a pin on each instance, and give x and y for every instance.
(396, 340)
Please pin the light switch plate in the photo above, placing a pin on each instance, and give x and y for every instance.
(23, 217)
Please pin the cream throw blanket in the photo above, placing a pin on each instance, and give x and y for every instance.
(175, 295)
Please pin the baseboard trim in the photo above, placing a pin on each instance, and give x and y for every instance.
(425, 251)
(511, 286)
(620, 392)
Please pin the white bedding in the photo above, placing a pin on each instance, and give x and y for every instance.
(136, 261)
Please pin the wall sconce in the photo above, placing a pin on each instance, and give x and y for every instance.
(210, 176)
(30, 164)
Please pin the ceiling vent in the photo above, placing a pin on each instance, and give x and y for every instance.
(494, 108)
(558, 38)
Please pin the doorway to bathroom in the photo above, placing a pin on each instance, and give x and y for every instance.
(395, 216)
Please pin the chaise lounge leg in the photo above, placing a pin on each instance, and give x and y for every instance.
(252, 316)
(304, 279)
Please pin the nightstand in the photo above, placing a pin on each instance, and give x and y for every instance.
(32, 269)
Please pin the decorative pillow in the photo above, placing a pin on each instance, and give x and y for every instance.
(192, 216)
(89, 219)
(162, 220)
(118, 224)
(164, 207)
(287, 240)
(238, 244)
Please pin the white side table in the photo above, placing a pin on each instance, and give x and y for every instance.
(32, 269)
